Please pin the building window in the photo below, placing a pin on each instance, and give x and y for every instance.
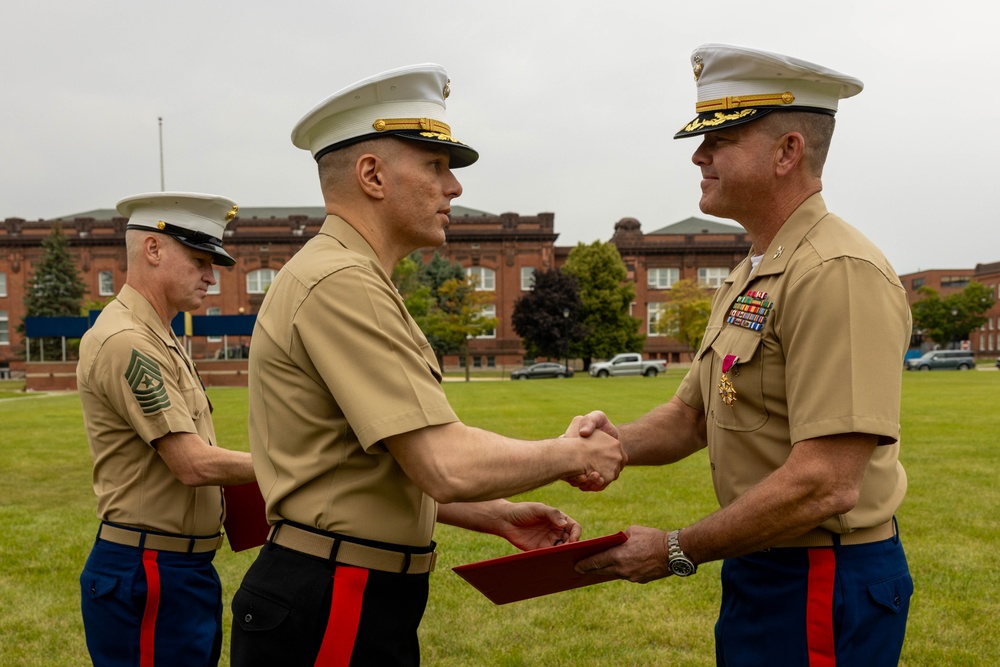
(527, 278)
(106, 283)
(258, 281)
(712, 276)
(485, 278)
(4, 331)
(491, 361)
(653, 313)
(489, 311)
(662, 278)
(213, 311)
(216, 288)
(918, 283)
(3, 284)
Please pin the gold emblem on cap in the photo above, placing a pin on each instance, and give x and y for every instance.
(447, 89)
(427, 124)
(232, 212)
(161, 225)
(738, 101)
(698, 66)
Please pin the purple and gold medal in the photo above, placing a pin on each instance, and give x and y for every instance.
(726, 389)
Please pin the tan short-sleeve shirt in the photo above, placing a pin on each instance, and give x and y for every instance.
(812, 343)
(136, 385)
(336, 365)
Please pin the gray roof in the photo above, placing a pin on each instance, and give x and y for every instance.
(698, 226)
(259, 212)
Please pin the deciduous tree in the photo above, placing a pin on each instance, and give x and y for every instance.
(548, 317)
(606, 296)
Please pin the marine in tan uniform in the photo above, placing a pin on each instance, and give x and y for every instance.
(149, 588)
(795, 390)
(356, 448)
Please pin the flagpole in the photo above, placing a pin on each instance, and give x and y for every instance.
(160, 120)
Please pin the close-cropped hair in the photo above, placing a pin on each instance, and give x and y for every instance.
(336, 167)
(815, 128)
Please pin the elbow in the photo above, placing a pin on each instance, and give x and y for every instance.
(450, 489)
(843, 501)
(191, 476)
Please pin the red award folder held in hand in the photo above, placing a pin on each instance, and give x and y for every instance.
(246, 521)
(538, 572)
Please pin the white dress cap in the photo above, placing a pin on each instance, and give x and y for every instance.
(737, 85)
(407, 102)
(196, 220)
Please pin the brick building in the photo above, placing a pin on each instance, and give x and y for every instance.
(985, 341)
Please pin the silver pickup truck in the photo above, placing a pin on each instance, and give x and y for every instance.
(630, 363)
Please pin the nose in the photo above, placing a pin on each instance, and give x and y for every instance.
(452, 188)
(210, 276)
(701, 155)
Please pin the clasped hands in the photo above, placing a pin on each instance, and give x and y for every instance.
(586, 426)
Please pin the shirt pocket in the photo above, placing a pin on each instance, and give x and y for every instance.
(747, 412)
(196, 401)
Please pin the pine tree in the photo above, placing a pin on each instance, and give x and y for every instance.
(55, 290)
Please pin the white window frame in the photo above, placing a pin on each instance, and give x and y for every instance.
(4, 328)
(489, 311)
(527, 278)
(654, 310)
(106, 283)
(712, 276)
(257, 284)
(217, 287)
(3, 284)
(485, 278)
(213, 311)
(662, 277)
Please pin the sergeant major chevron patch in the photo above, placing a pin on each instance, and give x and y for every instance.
(146, 381)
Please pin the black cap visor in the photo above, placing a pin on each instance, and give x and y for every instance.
(461, 155)
(196, 240)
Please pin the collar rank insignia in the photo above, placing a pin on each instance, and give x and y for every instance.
(750, 311)
(726, 389)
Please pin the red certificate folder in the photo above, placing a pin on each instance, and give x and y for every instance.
(538, 572)
(246, 522)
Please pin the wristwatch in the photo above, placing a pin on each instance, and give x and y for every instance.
(680, 565)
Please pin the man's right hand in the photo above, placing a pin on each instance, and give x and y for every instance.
(606, 457)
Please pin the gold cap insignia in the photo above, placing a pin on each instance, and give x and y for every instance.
(232, 212)
(698, 66)
(447, 89)
(161, 225)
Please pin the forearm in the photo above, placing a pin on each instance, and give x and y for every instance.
(820, 480)
(480, 517)
(196, 463)
(457, 463)
(222, 467)
(666, 434)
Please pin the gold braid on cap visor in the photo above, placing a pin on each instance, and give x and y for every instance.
(425, 124)
(740, 101)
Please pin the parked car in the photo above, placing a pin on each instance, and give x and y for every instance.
(998, 363)
(961, 360)
(629, 363)
(547, 369)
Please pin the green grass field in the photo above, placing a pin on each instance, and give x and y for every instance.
(948, 522)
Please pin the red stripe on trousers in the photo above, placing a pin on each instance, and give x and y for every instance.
(819, 608)
(147, 635)
(345, 616)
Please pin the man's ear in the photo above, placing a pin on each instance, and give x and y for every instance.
(789, 153)
(152, 249)
(370, 173)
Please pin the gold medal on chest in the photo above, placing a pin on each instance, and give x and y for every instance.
(726, 389)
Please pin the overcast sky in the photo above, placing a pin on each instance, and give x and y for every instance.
(571, 104)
